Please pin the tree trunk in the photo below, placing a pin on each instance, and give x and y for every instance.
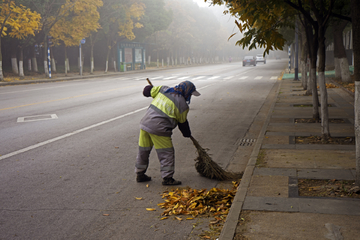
(21, 63)
(14, 64)
(355, 16)
(345, 71)
(1, 71)
(66, 61)
(325, 131)
(313, 46)
(34, 62)
(341, 63)
(337, 66)
(92, 59)
(107, 60)
(303, 59)
(46, 68)
(29, 64)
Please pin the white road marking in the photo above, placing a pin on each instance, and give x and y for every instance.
(184, 77)
(259, 77)
(215, 77)
(69, 134)
(244, 77)
(170, 77)
(229, 77)
(198, 77)
(37, 118)
(274, 78)
(156, 77)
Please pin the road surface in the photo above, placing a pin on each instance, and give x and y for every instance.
(68, 149)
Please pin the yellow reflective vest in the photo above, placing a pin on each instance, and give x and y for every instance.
(165, 112)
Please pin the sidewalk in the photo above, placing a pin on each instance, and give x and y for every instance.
(267, 204)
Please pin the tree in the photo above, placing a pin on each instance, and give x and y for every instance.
(118, 18)
(156, 18)
(355, 18)
(51, 12)
(77, 24)
(19, 22)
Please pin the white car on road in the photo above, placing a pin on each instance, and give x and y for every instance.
(260, 58)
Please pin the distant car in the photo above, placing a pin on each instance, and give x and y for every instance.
(249, 60)
(260, 58)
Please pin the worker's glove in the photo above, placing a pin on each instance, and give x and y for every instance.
(147, 91)
(185, 129)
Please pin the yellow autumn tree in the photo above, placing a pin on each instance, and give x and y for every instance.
(126, 27)
(76, 24)
(17, 21)
(118, 20)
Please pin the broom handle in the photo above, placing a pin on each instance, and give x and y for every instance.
(196, 143)
(148, 80)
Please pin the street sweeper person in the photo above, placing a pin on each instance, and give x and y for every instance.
(168, 110)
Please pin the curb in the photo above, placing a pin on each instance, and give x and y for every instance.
(228, 231)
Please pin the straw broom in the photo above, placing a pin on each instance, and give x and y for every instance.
(206, 167)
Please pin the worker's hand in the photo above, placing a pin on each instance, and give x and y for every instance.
(185, 129)
(147, 91)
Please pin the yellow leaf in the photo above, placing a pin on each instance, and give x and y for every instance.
(106, 214)
(178, 218)
(189, 218)
(150, 209)
(138, 198)
(163, 218)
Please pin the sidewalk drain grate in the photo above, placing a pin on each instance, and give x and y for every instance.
(37, 118)
(246, 142)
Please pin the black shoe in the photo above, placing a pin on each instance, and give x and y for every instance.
(143, 178)
(170, 181)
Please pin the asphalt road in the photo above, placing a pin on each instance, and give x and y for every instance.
(67, 151)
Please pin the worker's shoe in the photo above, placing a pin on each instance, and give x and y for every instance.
(142, 177)
(170, 181)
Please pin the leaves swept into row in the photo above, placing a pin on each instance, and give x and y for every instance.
(216, 202)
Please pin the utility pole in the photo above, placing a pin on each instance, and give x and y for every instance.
(49, 44)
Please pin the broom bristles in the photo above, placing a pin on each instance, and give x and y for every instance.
(206, 167)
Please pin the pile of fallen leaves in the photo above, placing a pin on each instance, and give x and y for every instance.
(191, 202)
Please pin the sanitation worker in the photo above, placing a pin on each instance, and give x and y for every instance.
(168, 109)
